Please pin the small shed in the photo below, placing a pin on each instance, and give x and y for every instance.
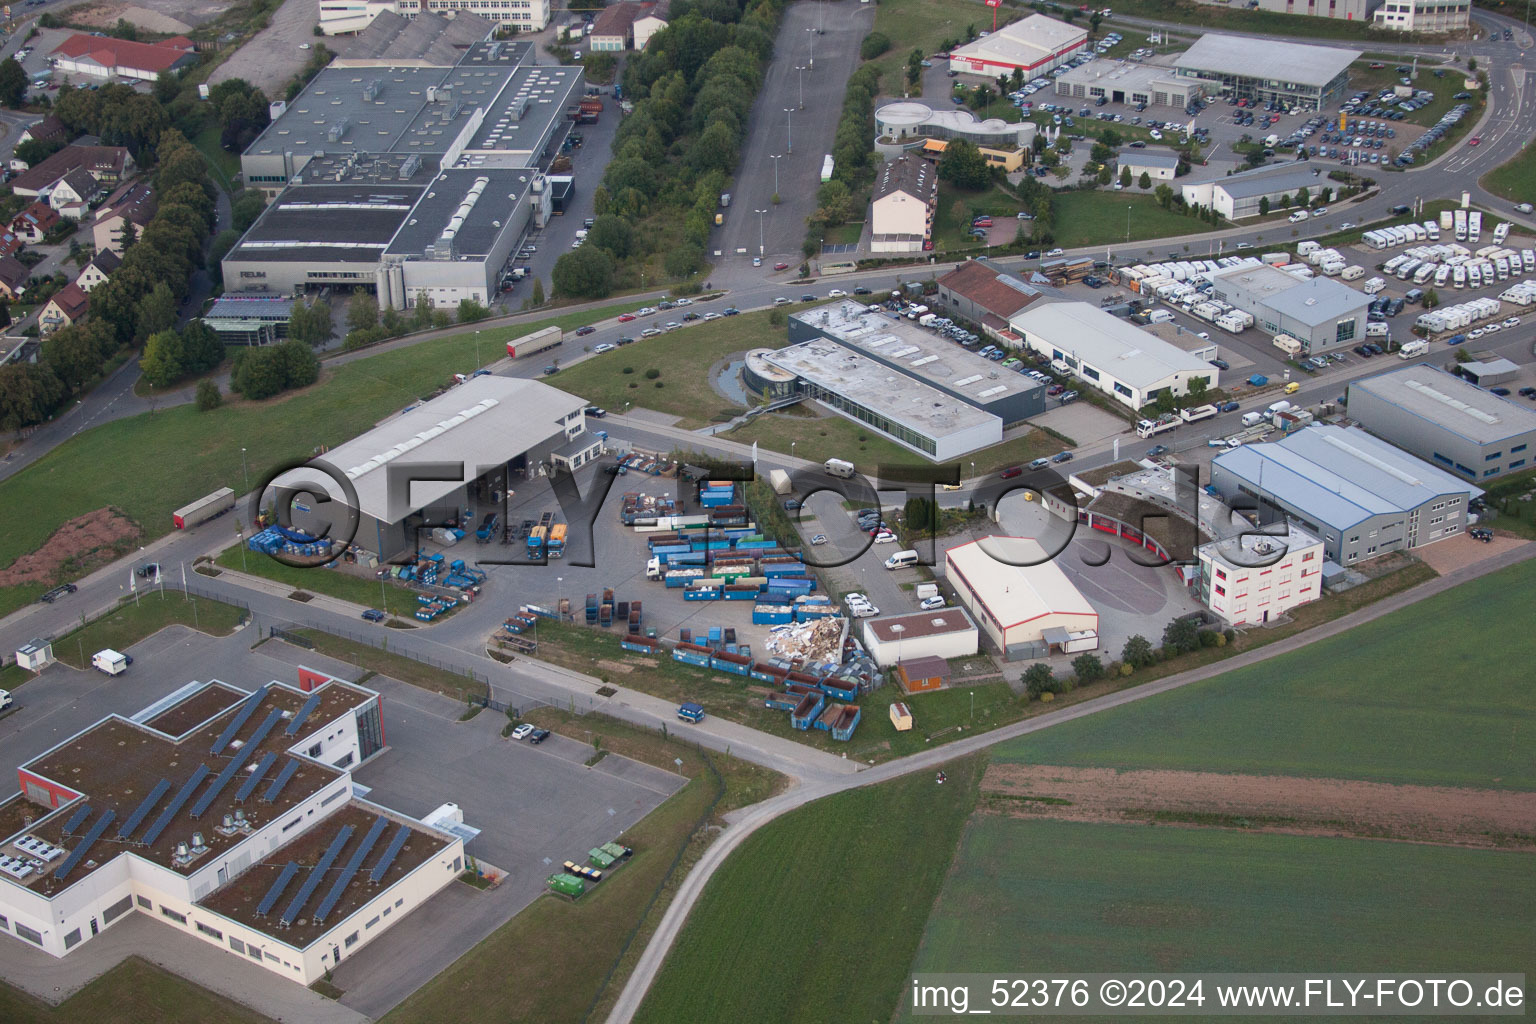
(35, 655)
(901, 717)
(920, 674)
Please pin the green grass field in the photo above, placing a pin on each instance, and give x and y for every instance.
(1043, 896)
(133, 992)
(151, 464)
(1434, 695)
(391, 597)
(817, 916)
(1515, 180)
(1099, 218)
(923, 25)
(683, 358)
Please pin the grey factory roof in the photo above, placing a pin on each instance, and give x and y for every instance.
(1260, 280)
(350, 222)
(1253, 57)
(1262, 181)
(482, 422)
(1451, 403)
(1149, 158)
(489, 208)
(1340, 476)
(918, 351)
(1122, 76)
(1318, 301)
(534, 99)
(902, 399)
(343, 102)
(428, 36)
(1107, 343)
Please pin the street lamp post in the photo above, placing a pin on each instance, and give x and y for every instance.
(1127, 222)
(245, 472)
(776, 157)
(760, 247)
(789, 131)
(559, 596)
(812, 61)
(801, 69)
(477, 350)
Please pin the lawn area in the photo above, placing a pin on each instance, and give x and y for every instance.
(408, 670)
(817, 916)
(1514, 516)
(147, 482)
(1142, 899)
(924, 25)
(683, 359)
(387, 595)
(1099, 218)
(1389, 701)
(131, 623)
(1515, 180)
(562, 961)
(133, 992)
(222, 166)
(952, 219)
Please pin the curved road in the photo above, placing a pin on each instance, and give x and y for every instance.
(752, 818)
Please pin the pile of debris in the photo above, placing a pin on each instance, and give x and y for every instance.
(816, 642)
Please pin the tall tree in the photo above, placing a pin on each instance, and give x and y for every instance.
(156, 311)
(162, 360)
(963, 166)
(13, 83)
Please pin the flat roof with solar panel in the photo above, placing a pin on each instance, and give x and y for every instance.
(161, 789)
(269, 852)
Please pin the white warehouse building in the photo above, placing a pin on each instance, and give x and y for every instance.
(1104, 352)
(942, 633)
(1019, 596)
(1037, 45)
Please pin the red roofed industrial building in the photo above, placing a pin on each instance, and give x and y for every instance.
(1020, 598)
(104, 57)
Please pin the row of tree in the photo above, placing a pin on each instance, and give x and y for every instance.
(692, 89)
(1180, 636)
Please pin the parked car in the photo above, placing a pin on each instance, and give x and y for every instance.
(1062, 457)
(373, 615)
(538, 736)
(928, 604)
(781, 266)
(522, 732)
(1221, 364)
(791, 505)
(606, 346)
(818, 540)
(1156, 450)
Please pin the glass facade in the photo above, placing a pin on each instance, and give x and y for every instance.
(879, 421)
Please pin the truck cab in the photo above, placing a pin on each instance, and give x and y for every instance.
(691, 712)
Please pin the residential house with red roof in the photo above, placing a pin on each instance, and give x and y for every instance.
(34, 223)
(107, 164)
(68, 306)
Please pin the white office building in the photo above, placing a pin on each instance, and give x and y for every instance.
(1109, 354)
(1255, 577)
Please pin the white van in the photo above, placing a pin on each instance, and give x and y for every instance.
(1377, 330)
(1159, 316)
(901, 559)
(1280, 406)
(1251, 419)
(1298, 216)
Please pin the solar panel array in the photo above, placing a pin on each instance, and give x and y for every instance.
(393, 850)
(276, 892)
(236, 763)
(304, 712)
(145, 806)
(81, 813)
(316, 875)
(254, 779)
(281, 780)
(235, 723)
(85, 844)
(175, 805)
(353, 863)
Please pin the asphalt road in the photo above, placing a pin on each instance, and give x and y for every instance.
(748, 820)
(795, 118)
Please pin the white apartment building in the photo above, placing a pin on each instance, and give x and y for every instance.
(1253, 578)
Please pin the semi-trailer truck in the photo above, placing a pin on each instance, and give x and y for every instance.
(204, 509)
(532, 344)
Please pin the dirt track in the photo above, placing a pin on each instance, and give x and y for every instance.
(83, 543)
(1424, 814)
